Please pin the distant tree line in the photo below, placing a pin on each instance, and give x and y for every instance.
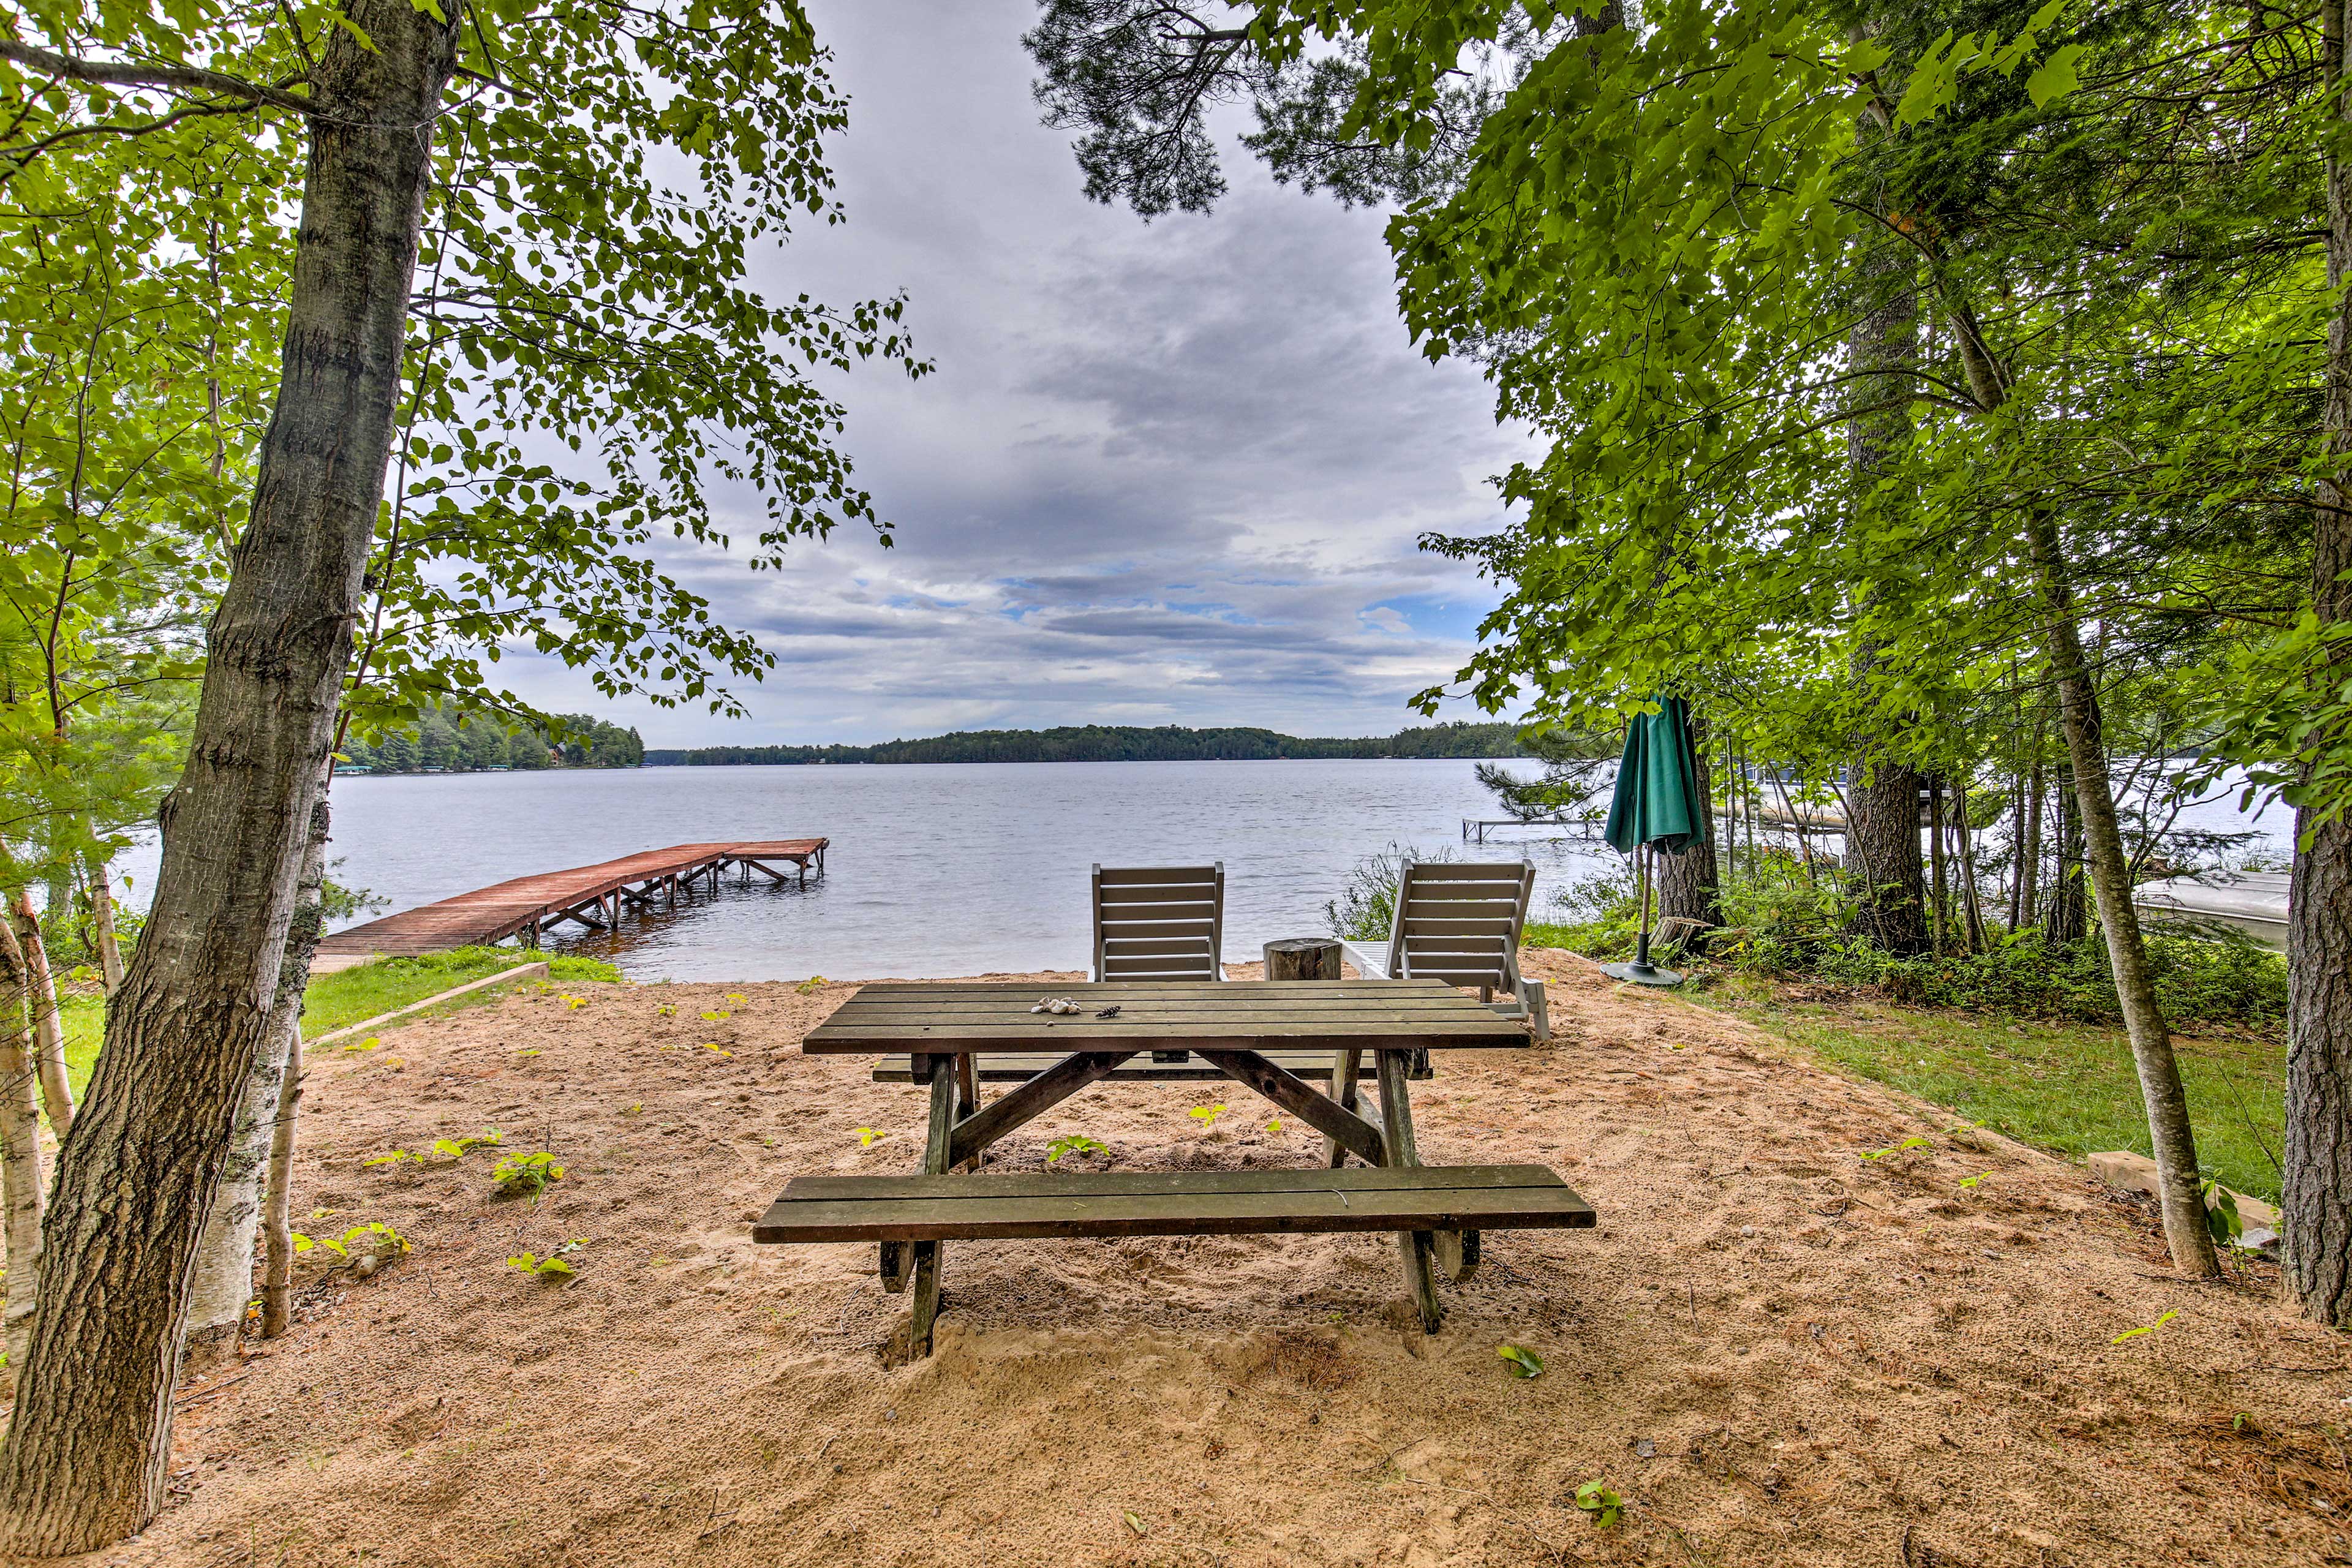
(1121, 744)
(467, 743)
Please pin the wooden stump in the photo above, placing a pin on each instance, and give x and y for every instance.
(1303, 958)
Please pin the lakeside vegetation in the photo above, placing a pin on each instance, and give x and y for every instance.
(1121, 744)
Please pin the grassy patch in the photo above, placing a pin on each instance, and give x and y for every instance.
(336, 1000)
(2062, 1085)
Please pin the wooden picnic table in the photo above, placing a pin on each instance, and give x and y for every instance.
(1232, 1026)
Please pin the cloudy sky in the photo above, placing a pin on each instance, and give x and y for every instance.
(1164, 474)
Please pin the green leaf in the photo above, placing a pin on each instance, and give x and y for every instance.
(1522, 1363)
(2170, 1314)
(2056, 76)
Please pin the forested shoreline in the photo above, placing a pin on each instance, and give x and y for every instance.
(437, 744)
(1121, 743)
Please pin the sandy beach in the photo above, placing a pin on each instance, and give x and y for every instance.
(1776, 1349)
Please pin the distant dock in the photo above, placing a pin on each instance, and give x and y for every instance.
(589, 895)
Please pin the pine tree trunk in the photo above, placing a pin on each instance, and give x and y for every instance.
(49, 1028)
(87, 1449)
(20, 1157)
(110, 945)
(2316, 1209)
(1882, 851)
(1687, 882)
(225, 1259)
(2177, 1191)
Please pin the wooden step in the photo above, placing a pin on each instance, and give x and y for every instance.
(992, 1206)
(1142, 1068)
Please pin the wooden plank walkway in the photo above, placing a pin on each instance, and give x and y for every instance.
(590, 895)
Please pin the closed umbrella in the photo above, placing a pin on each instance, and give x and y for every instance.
(1654, 806)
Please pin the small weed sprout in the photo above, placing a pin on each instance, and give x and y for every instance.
(1906, 1146)
(1522, 1363)
(525, 1175)
(666, 1010)
(554, 1266)
(394, 1157)
(1970, 1182)
(1275, 1125)
(455, 1147)
(732, 997)
(1600, 1503)
(1076, 1144)
(866, 1137)
(1206, 1115)
(2170, 1314)
(714, 1018)
(371, 1043)
(811, 986)
(394, 1243)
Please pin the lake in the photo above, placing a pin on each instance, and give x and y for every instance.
(934, 869)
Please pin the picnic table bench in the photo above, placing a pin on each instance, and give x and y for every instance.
(1260, 1034)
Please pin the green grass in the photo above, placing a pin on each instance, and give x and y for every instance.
(2062, 1085)
(336, 1000)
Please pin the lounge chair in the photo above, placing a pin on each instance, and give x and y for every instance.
(1459, 923)
(1160, 922)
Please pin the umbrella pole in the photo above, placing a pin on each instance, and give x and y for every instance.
(1642, 971)
(1642, 944)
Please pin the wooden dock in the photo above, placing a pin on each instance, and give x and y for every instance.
(589, 895)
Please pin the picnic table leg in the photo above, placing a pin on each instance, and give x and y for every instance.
(1345, 1066)
(942, 1074)
(1418, 1246)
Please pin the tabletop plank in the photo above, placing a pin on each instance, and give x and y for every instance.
(968, 1017)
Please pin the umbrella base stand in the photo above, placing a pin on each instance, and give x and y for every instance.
(1639, 972)
(1642, 971)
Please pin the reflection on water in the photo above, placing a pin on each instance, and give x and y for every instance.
(934, 869)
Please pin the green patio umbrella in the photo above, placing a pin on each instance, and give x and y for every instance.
(1655, 805)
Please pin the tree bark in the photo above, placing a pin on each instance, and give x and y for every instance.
(1687, 882)
(87, 1449)
(1882, 850)
(48, 1029)
(110, 945)
(1939, 917)
(20, 1158)
(2316, 1208)
(225, 1258)
(2179, 1194)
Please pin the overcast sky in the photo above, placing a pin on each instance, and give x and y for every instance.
(1163, 474)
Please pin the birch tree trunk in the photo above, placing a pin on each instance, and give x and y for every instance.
(110, 945)
(48, 1029)
(87, 1449)
(2317, 1210)
(224, 1285)
(20, 1158)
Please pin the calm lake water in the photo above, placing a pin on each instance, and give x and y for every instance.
(934, 869)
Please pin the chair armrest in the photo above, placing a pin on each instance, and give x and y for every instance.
(1370, 961)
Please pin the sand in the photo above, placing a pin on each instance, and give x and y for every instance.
(1774, 1349)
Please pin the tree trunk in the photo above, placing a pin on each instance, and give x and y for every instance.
(102, 908)
(1966, 845)
(1939, 918)
(225, 1258)
(2070, 917)
(49, 1028)
(2318, 1207)
(2029, 898)
(1881, 849)
(20, 1157)
(1687, 882)
(2178, 1191)
(87, 1449)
